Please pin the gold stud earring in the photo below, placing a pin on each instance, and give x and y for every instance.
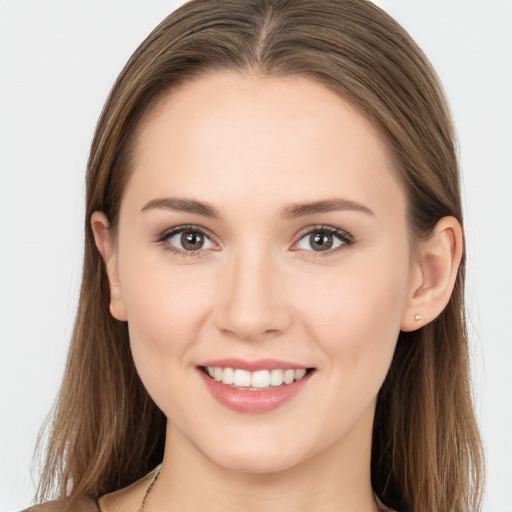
(417, 317)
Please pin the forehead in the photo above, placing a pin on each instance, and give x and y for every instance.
(284, 139)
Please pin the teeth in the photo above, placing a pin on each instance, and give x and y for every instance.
(300, 373)
(242, 378)
(289, 376)
(260, 379)
(228, 376)
(276, 377)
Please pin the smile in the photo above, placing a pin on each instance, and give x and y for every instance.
(257, 380)
(254, 387)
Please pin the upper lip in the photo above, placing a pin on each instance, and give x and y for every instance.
(253, 366)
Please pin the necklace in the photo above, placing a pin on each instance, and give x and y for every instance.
(142, 507)
(149, 489)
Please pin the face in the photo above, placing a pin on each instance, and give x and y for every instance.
(263, 230)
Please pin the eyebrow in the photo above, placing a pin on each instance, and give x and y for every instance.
(329, 205)
(291, 212)
(178, 204)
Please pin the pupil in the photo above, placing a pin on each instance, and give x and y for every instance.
(192, 241)
(321, 241)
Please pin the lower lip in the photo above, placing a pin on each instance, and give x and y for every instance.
(253, 402)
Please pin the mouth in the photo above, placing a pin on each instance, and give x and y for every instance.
(254, 387)
(260, 380)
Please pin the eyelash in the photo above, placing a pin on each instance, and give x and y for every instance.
(166, 235)
(344, 237)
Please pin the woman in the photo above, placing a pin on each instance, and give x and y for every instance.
(272, 299)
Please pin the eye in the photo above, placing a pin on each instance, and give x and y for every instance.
(187, 239)
(323, 239)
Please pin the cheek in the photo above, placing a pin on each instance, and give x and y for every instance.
(355, 313)
(166, 311)
(166, 306)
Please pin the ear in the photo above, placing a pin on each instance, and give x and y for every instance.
(102, 237)
(433, 274)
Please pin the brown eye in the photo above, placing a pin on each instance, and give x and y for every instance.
(186, 239)
(192, 240)
(323, 239)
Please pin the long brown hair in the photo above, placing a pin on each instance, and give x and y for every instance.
(106, 430)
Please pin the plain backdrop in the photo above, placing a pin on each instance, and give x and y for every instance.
(58, 60)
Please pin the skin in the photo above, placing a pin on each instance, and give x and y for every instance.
(251, 147)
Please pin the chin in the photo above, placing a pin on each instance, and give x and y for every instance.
(257, 462)
(260, 452)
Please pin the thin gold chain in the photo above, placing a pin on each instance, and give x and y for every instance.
(142, 507)
(148, 491)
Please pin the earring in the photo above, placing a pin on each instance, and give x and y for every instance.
(417, 317)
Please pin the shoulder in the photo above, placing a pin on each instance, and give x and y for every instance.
(122, 500)
(76, 504)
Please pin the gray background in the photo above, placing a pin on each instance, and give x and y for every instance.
(58, 60)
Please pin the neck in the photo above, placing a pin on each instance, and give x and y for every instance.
(336, 479)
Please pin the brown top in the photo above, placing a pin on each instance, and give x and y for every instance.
(79, 504)
(84, 504)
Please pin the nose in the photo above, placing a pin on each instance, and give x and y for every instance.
(251, 301)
